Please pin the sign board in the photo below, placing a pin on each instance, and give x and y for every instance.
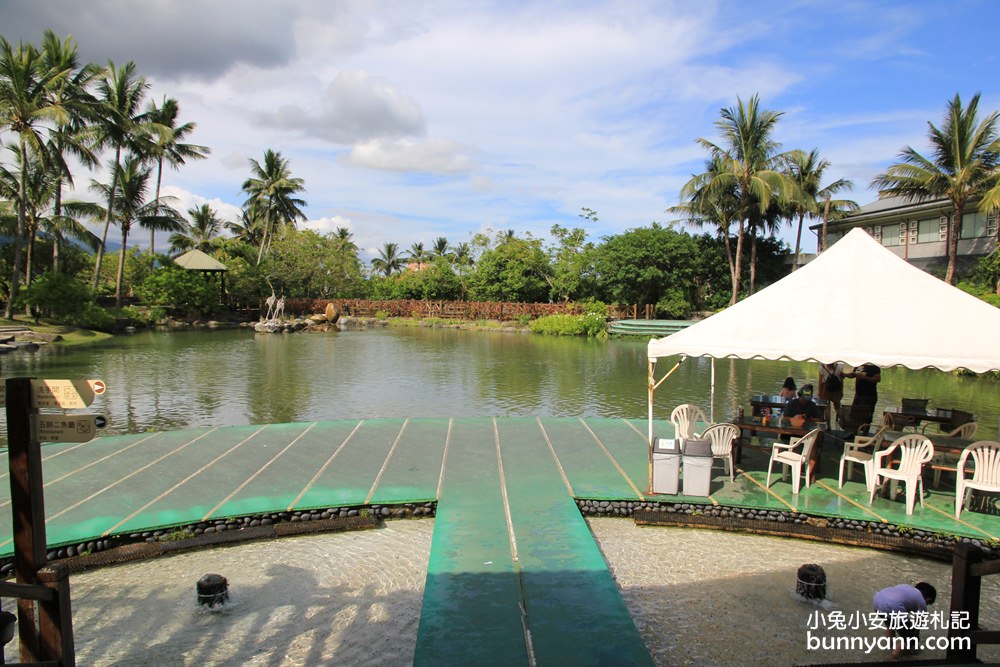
(65, 394)
(66, 428)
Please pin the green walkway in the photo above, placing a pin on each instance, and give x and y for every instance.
(514, 576)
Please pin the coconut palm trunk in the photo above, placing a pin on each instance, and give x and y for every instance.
(107, 221)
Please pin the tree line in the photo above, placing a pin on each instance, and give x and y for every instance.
(56, 111)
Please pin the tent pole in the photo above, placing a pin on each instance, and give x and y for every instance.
(711, 405)
(652, 384)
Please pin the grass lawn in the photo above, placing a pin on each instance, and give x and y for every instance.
(70, 335)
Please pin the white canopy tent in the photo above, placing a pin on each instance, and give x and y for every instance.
(856, 303)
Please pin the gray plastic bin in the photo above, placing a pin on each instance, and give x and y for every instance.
(666, 466)
(697, 467)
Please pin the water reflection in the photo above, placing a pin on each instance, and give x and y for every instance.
(165, 381)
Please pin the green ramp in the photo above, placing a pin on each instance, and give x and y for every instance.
(512, 558)
(575, 612)
(471, 607)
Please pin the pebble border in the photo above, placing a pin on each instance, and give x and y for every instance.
(788, 523)
(785, 523)
(151, 543)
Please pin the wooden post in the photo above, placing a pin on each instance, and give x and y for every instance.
(55, 616)
(965, 590)
(27, 506)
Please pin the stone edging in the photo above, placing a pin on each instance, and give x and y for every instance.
(786, 523)
(153, 543)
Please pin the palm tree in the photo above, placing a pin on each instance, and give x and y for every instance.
(120, 126)
(38, 189)
(963, 163)
(440, 248)
(461, 254)
(418, 255)
(167, 144)
(716, 206)
(806, 169)
(389, 260)
(344, 241)
(748, 160)
(67, 136)
(205, 226)
(271, 202)
(28, 98)
(131, 207)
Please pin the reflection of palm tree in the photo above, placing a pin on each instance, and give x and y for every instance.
(388, 262)
(166, 145)
(963, 164)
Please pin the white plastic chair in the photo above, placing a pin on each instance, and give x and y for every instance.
(854, 452)
(685, 419)
(785, 454)
(965, 431)
(985, 456)
(914, 451)
(722, 437)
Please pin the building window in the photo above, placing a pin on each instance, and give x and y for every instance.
(927, 231)
(978, 225)
(943, 228)
(876, 233)
(891, 234)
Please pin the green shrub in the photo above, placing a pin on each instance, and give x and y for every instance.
(96, 318)
(182, 293)
(590, 324)
(673, 306)
(59, 296)
(136, 317)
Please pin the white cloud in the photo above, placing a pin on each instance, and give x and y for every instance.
(422, 119)
(432, 156)
(328, 225)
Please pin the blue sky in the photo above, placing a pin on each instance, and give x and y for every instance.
(414, 120)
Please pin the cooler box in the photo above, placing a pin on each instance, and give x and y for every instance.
(666, 466)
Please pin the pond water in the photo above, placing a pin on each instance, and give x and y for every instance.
(162, 381)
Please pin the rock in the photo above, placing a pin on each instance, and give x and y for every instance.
(41, 337)
(332, 313)
(271, 326)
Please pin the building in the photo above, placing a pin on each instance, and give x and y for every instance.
(918, 231)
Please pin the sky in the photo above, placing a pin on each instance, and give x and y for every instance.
(411, 120)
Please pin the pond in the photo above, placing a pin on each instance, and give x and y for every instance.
(172, 380)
